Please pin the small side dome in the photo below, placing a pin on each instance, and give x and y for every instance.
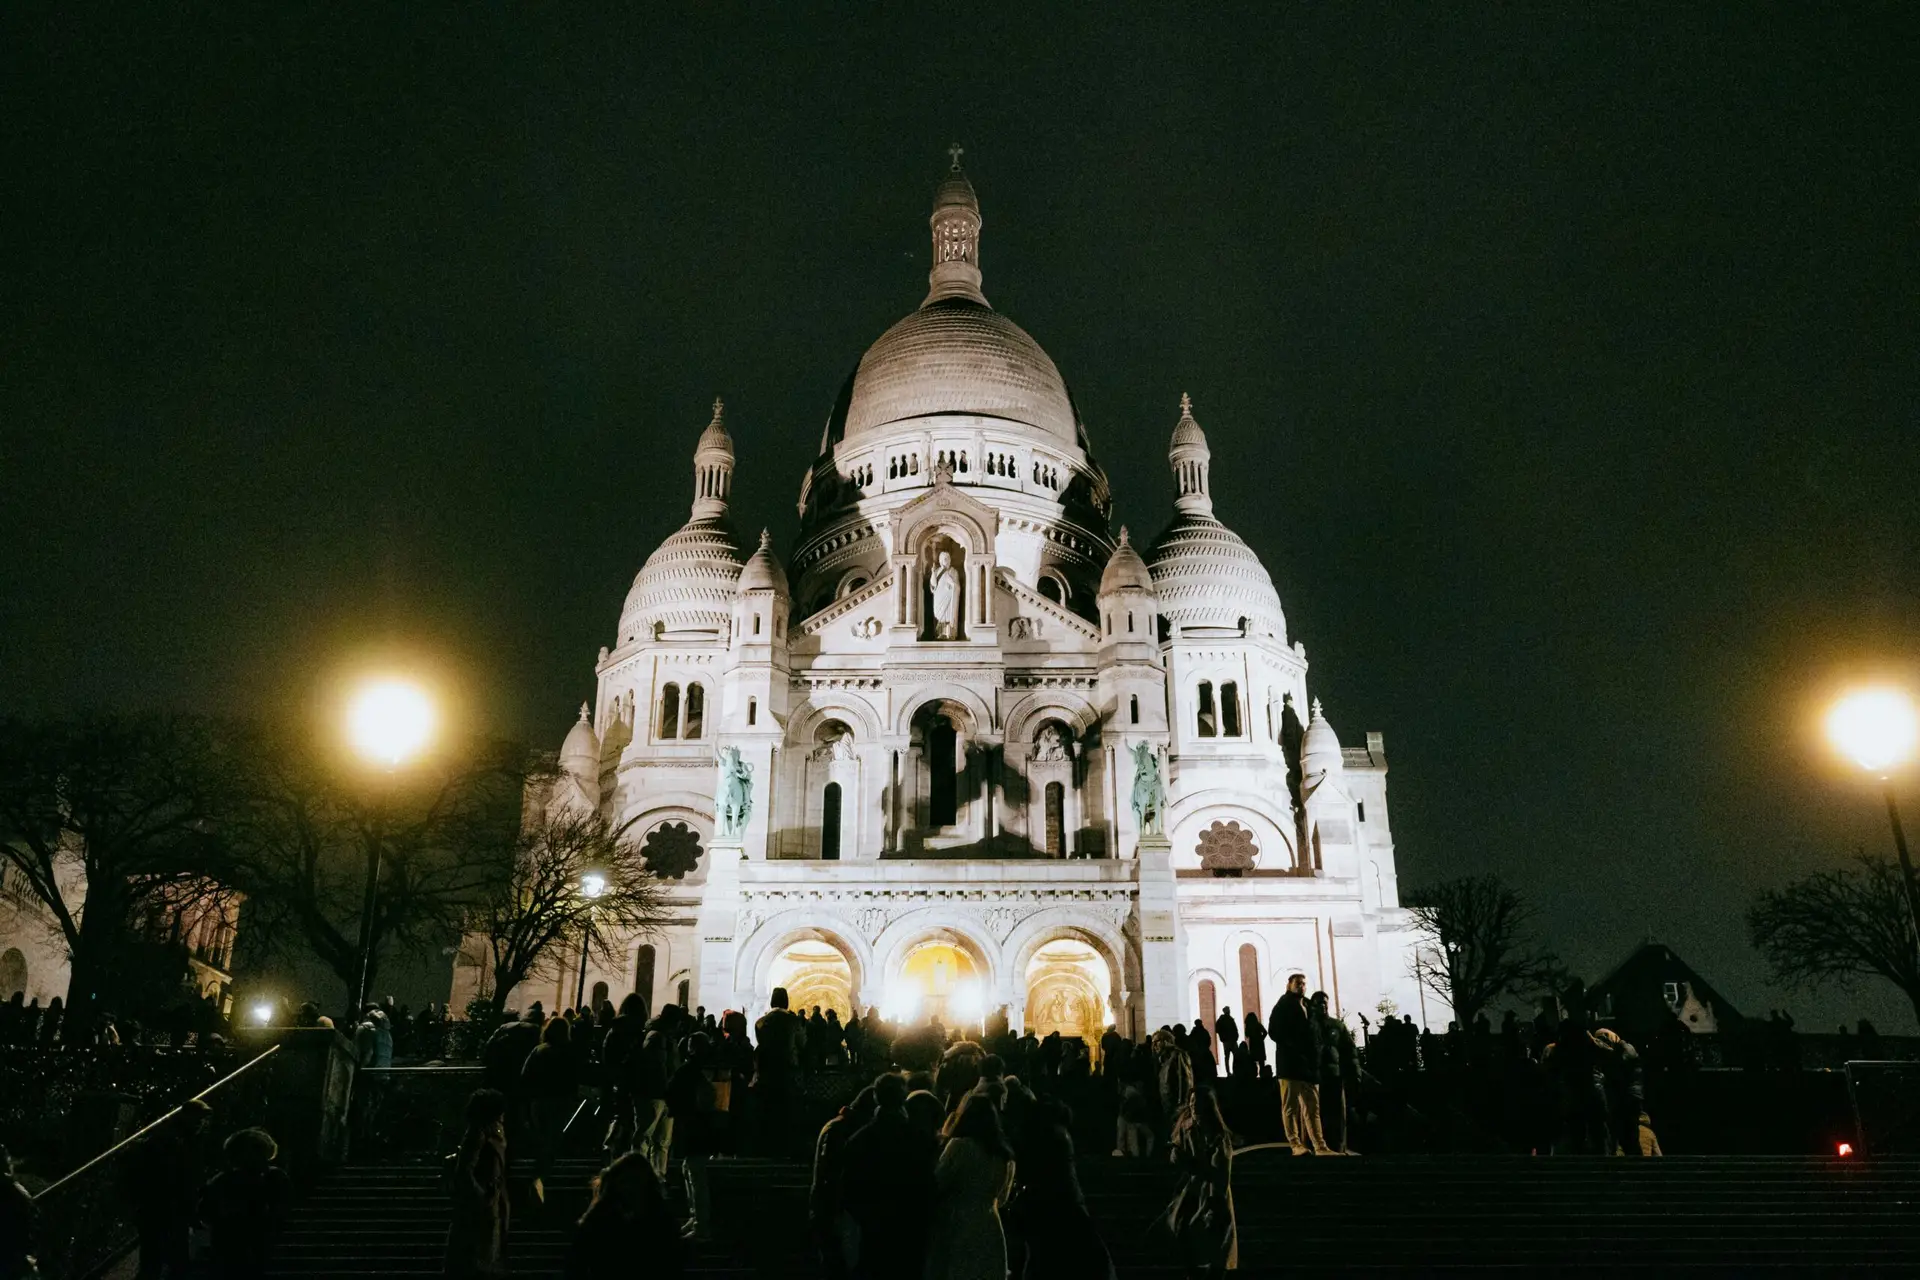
(1125, 569)
(686, 585)
(1320, 748)
(763, 571)
(580, 753)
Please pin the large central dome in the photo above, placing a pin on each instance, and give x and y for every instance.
(956, 355)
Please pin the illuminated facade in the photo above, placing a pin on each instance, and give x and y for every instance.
(938, 692)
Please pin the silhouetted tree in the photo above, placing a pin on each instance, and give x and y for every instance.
(530, 918)
(1477, 945)
(1837, 926)
(442, 829)
(107, 825)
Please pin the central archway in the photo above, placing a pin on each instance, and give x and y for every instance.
(939, 979)
(814, 972)
(1067, 985)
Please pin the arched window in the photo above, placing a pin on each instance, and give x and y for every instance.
(1056, 819)
(1133, 708)
(1209, 1006)
(1230, 709)
(1250, 978)
(1050, 588)
(599, 995)
(696, 710)
(643, 973)
(753, 710)
(830, 823)
(669, 712)
(943, 788)
(685, 984)
(1208, 724)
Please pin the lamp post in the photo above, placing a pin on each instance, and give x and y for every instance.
(389, 722)
(1878, 729)
(592, 885)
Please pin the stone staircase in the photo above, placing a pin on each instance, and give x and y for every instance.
(1374, 1216)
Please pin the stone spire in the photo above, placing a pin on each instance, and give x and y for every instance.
(956, 238)
(1190, 458)
(713, 467)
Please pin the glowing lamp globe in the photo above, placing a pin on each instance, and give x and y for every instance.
(263, 1014)
(593, 884)
(390, 721)
(1877, 729)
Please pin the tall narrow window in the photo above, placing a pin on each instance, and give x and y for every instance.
(1250, 978)
(643, 973)
(1209, 725)
(1133, 708)
(830, 823)
(1361, 805)
(599, 996)
(1230, 709)
(1209, 1007)
(670, 712)
(1056, 819)
(756, 624)
(942, 798)
(696, 710)
(753, 710)
(685, 983)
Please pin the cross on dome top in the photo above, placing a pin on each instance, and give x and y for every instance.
(955, 151)
(583, 713)
(719, 408)
(1186, 405)
(1316, 708)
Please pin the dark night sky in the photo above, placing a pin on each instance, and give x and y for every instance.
(1561, 366)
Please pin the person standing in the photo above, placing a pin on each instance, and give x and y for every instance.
(780, 1037)
(1339, 1072)
(165, 1177)
(17, 1225)
(1227, 1032)
(1296, 1046)
(887, 1185)
(972, 1180)
(477, 1238)
(1050, 1211)
(1200, 1219)
(551, 1082)
(826, 1197)
(627, 1220)
(243, 1205)
(1256, 1037)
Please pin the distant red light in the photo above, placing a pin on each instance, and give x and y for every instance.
(1846, 1148)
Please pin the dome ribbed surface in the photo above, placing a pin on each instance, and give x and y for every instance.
(1206, 576)
(1125, 569)
(957, 356)
(688, 583)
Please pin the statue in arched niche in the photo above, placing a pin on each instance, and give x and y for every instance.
(1050, 745)
(943, 595)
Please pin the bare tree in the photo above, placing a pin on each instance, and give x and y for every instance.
(108, 823)
(530, 917)
(1838, 926)
(438, 834)
(1477, 933)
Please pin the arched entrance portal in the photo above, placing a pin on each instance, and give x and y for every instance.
(1067, 986)
(815, 973)
(938, 979)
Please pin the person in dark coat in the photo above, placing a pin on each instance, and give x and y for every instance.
(888, 1186)
(1296, 1047)
(1255, 1032)
(826, 1198)
(18, 1222)
(1339, 1072)
(477, 1238)
(163, 1180)
(1049, 1210)
(781, 1037)
(627, 1232)
(624, 1037)
(693, 1103)
(1227, 1032)
(1200, 1053)
(244, 1204)
(1201, 1219)
(550, 1079)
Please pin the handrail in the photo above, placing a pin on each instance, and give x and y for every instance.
(125, 1142)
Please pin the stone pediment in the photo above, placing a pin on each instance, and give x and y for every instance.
(945, 507)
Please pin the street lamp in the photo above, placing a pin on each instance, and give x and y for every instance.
(1878, 730)
(592, 885)
(389, 721)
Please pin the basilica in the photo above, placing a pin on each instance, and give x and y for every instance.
(962, 747)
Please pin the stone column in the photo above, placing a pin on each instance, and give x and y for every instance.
(1162, 955)
(717, 924)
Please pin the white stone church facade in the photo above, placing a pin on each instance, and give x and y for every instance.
(939, 691)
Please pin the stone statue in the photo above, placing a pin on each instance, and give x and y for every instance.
(1049, 747)
(944, 582)
(733, 803)
(1149, 792)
